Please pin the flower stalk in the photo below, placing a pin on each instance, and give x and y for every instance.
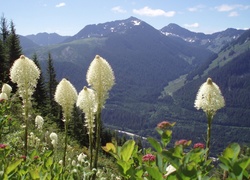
(66, 96)
(100, 77)
(209, 99)
(25, 73)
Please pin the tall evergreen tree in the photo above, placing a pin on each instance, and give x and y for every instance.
(14, 51)
(4, 29)
(2, 62)
(40, 94)
(51, 86)
(4, 33)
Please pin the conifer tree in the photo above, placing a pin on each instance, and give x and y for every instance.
(51, 86)
(4, 33)
(2, 62)
(4, 29)
(40, 94)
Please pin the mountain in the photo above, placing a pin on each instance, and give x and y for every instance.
(45, 39)
(157, 76)
(230, 70)
(211, 41)
(26, 43)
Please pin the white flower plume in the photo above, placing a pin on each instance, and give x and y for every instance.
(54, 139)
(6, 88)
(100, 77)
(39, 122)
(66, 96)
(25, 73)
(209, 97)
(87, 103)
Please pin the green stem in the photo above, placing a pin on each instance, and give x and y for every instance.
(209, 126)
(65, 140)
(98, 137)
(90, 148)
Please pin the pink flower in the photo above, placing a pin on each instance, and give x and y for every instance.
(36, 157)
(3, 146)
(23, 157)
(148, 157)
(183, 142)
(199, 145)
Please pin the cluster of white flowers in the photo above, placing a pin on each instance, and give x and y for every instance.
(209, 97)
(54, 139)
(81, 157)
(33, 140)
(39, 122)
(25, 73)
(87, 103)
(100, 77)
(6, 90)
(66, 96)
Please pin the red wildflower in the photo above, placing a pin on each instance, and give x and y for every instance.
(164, 125)
(199, 145)
(36, 157)
(3, 146)
(23, 157)
(148, 157)
(183, 142)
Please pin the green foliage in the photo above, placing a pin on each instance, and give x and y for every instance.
(233, 165)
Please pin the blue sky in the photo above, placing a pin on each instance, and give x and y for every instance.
(67, 17)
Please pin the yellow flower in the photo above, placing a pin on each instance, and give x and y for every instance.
(209, 97)
(66, 96)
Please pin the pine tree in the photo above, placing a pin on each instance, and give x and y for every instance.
(40, 94)
(14, 51)
(2, 62)
(4, 33)
(51, 86)
(4, 29)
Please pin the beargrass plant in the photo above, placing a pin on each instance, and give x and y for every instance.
(66, 96)
(210, 100)
(101, 79)
(25, 74)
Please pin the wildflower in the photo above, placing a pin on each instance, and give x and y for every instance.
(148, 157)
(3, 97)
(100, 77)
(61, 162)
(23, 157)
(81, 157)
(25, 73)
(165, 124)
(170, 169)
(73, 163)
(199, 145)
(6, 88)
(87, 102)
(3, 146)
(36, 157)
(209, 97)
(54, 139)
(39, 122)
(66, 96)
(183, 142)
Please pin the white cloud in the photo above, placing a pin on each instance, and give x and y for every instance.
(194, 25)
(233, 14)
(226, 7)
(146, 11)
(118, 9)
(196, 8)
(61, 5)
